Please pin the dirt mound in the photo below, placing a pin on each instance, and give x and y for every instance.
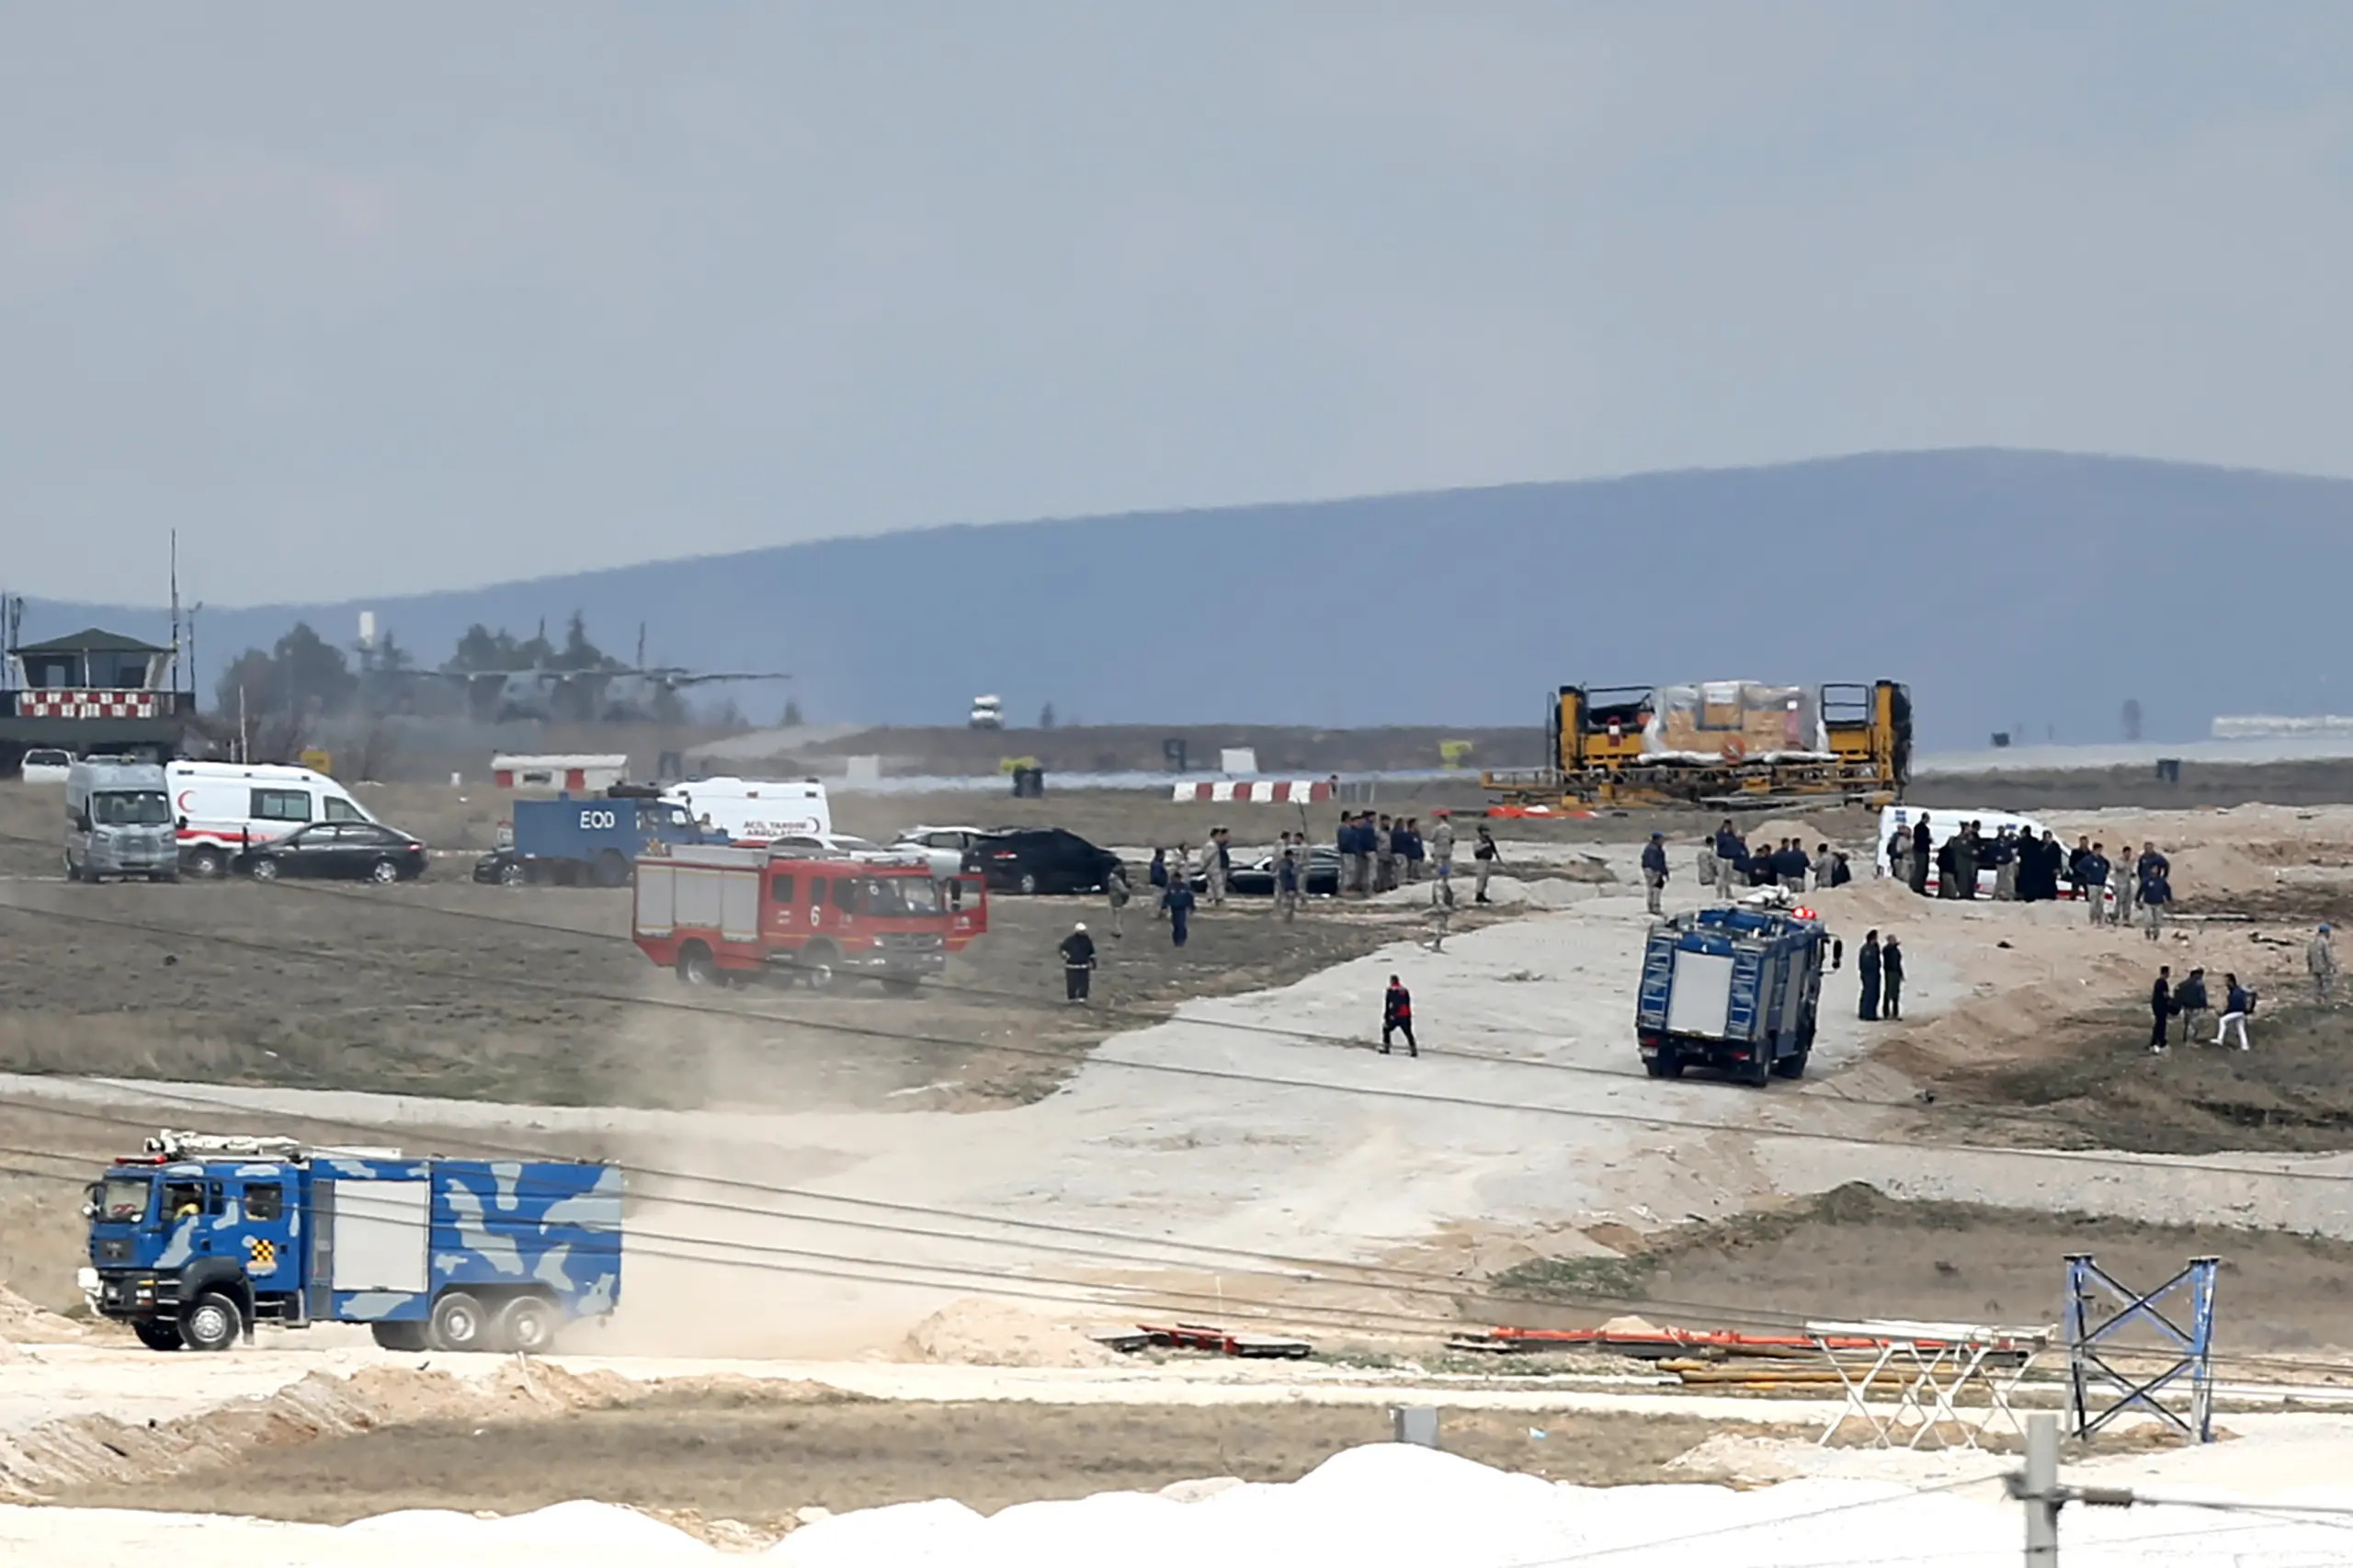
(85, 1450)
(977, 1332)
(21, 1322)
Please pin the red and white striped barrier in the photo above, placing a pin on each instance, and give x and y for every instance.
(1260, 790)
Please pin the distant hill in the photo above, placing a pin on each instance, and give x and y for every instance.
(2007, 587)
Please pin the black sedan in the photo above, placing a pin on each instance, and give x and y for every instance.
(1038, 859)
(1257, 878)
(362, 851)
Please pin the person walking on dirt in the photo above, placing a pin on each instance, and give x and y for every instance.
(2161, 1007)
(1655, 871)
(1442, 842)
(1411, 834)
(2125, 878)
(1891, 973)
(2320, 959)
(1397, 1017)
(1442, 909)
(1921, 849)
(2237, 1005)
(1866, 968)
(1115, 893)
(1287, 880)
(1730, 855)
(1217, 864)
(1078, 963)
(1157, 875)
(2156, 892)
(2091, 876)
(1484, 860)
(1180, 912)
(2190, 1001)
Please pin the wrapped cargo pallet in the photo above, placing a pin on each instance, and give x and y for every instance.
(1735, 720)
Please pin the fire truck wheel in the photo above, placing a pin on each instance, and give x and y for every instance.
(696, 966)
(212, 1322)
(458, 1322)
(816, 966)
(528, 1324)
(158, 1335)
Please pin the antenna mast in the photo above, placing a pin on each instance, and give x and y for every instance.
(176, 671)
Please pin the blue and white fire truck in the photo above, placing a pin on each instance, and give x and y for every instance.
(201, 1237)
(1732, 989)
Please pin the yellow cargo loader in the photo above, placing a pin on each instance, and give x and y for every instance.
(1718, 744)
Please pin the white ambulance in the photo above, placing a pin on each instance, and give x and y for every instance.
(755, 810)
(1943, 823)
(220, 808)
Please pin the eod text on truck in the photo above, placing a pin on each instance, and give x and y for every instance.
(198, 1239)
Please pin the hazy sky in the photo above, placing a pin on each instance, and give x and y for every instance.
(376, 299)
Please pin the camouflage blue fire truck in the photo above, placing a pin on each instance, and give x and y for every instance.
(201, 1237)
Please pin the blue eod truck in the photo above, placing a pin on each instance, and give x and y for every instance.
(201, 1237)
(589, 840)
(1731, 989)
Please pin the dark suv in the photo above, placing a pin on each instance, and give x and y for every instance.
(1038, 859)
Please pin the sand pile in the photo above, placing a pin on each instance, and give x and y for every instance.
(24, 1324)
(976, 1332)
(98, 1448)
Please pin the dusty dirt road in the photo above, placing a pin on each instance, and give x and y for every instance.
(746, 1456)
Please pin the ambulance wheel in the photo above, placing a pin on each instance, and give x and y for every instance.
(398, 1335)
(696, 966)
(212, 1322)
(458, 1324)
(206, 863)
(158, 1335)
(528, 1324)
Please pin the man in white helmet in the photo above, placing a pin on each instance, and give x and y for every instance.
(1078, 963)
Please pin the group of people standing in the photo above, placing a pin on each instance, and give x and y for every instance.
(1378, 852)
(1879, 966)
(2028, 869)
(1726, 860)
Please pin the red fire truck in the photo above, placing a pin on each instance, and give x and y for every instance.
(720, 915)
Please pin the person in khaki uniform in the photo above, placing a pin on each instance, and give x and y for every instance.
(1442, 844)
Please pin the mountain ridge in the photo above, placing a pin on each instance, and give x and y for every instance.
(2013, 588)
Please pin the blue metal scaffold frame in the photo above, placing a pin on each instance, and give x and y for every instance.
(2091, 1337)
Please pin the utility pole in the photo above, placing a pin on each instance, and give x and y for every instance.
(2037, 1488)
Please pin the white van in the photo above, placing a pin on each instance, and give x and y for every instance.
(119, 823)
(754, 811)
(1943, 823)
(220, 808)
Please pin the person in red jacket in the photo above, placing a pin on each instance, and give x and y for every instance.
(1397, 1016)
